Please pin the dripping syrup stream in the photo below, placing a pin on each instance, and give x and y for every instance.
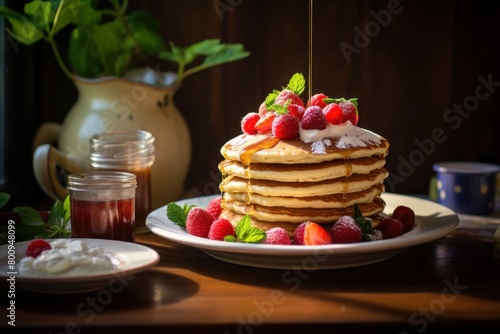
(310, 48)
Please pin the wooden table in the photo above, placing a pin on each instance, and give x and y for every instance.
(452, 285)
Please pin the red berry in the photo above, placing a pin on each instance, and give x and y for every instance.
(36, 247)
(277, 236)
(286, 95)
(315, 234)
(314, 119)
(390, 228)
(248, 123)
(346, 230)
(298, 234)
(221, 228)
(198, 222)
(285, 126)
(265, 124)
(317, 100)
(406, 216)
(214, 207)
(333, 114)
(296, 111)
(350, 111)
(262, 109)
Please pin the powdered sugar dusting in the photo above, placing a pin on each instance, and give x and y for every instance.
(358, 137)
(319, 146)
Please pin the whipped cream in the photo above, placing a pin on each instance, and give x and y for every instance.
(67, 258)
(331, 131)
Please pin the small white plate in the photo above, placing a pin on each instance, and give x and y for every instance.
(433, 221)
(128, 258)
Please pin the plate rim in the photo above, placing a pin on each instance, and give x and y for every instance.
(179, 235)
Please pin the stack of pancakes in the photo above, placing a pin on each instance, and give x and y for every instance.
(287, 182)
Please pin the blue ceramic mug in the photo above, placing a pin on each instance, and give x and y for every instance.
(467, 187)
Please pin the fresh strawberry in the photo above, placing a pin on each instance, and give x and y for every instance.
(317, 100)
(286, 95)
(346, 230)
(214, 207)
(296, 111)
(265, 124)
(262, 109)
(333, 114)
(298, 234)
(220, 229)
(198, 222)
(313, 119)
(350, 110)
(390, 228)
(36, 247)
(277, 236)
(248, 123)
(285, 126)
(406, 216)
(315, 234)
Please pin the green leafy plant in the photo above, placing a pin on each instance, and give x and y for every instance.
(108, 41)
(31, 224)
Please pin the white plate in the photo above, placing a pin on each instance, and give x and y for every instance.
(128, 258)
(433, 222)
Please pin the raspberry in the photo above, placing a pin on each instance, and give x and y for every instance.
(265, 124)
(333, 114)
(296, 111)
(350, 111)
(262, 109)
(214, 207)
(314, 119)
(248, 123)
(285, 126)
(286, 95)
(315, 234)
(298, 234)
(406, 216)
(36, 247)
(346, 230)
(317, 100)
(221, 228)
(390, 228)
(198, 222)
(277, 236)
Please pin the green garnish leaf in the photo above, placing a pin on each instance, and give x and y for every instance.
(363, 222)
(4, 198)
(178, 214)
(229, 238)
(29, 216)
(247, 233)
(297, 83)
(280, 109)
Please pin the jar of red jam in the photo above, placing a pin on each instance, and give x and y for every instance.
(130, 151)
(102, 205)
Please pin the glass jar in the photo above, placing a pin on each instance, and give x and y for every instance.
(102, 205)
(130, 151)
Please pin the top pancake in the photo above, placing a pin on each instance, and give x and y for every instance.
(357, 143)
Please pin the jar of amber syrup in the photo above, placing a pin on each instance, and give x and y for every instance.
(102, 205)
(130, 151)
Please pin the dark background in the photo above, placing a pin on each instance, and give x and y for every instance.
(426, 58)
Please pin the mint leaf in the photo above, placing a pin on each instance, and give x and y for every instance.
(178, 214)
(363, 223)
(29, 216)
(280, 109)
(297, 83)
(4, 198)
(247, 233)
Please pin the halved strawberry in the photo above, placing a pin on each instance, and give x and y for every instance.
(315, 234)
(265, 123)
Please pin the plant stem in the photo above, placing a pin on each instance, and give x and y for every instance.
(59, 59)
